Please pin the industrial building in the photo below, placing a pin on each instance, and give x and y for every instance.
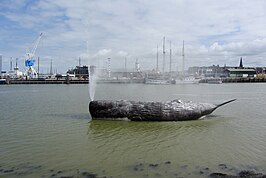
(80, 72)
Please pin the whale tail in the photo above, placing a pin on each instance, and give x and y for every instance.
(225, 103)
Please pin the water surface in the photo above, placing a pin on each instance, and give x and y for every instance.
(46, 130)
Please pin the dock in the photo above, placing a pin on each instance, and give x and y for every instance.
(118, 81)
(23, 82)
(238, 80)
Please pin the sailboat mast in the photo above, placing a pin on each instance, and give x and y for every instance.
(170, 66)
(87, 45)
(11, 64)
(157, 65)
(163, 53)
(183, 62)
(51, 67)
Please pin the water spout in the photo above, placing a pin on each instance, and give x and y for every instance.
(92, 81)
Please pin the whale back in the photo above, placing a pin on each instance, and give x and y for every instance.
(175, 110)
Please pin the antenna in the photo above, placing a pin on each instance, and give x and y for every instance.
(163, 53)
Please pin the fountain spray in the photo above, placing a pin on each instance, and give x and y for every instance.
(92, 81)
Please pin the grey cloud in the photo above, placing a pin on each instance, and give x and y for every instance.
(215, 32)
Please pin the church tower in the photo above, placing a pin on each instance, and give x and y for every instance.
(241, 64)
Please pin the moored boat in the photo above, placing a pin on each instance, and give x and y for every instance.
(215, 81)
(2, 81)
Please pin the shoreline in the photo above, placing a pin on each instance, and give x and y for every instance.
(238, 80)
(118, 81)
(28, 169)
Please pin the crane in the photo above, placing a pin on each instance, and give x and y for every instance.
(29, 62)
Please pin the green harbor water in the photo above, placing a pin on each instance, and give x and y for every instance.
(46, 131)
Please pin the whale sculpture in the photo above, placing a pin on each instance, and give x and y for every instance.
(174, 110)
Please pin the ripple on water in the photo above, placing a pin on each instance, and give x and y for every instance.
(56, 133)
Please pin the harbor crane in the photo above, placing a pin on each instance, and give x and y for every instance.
(29, 62)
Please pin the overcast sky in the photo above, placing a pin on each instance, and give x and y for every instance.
(214, 31)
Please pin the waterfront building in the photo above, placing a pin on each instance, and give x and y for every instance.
(245, 72)
(207, 71)
(241, 71)
(79, 72)
(226, 71)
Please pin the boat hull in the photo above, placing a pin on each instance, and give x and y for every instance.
(2, 81)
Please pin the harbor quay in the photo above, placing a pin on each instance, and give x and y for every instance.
(47, 82)
(83, 75)
(133, 81)
(238, 80)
